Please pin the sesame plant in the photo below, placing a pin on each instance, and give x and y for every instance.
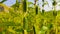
(22, 19)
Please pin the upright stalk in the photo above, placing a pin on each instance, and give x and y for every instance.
(43, 7)
(36, 12)
(36, 27)
(55, 14)
(43, 11)
(24, 16)
(36, 7)
(16, 5)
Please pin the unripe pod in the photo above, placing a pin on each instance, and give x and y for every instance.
(24, 23)
(34, 30)
(54, 3)
(42, 11)
(24, 6)
(43, 0)
(36, 9)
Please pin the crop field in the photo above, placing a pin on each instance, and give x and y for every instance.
(21, 19)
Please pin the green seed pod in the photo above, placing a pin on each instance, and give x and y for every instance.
(18, 30)
(22, 31)
(36, 9)
(34, 30)
(43, 5)
(24, 23)
(50, 26)
(17, 5)
(24, 6)
(42, 11)
(43, 0)
(54, 3)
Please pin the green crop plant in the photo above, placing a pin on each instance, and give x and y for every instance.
(55, 14)
(30, 20)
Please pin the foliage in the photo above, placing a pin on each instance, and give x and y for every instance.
(30, 22)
